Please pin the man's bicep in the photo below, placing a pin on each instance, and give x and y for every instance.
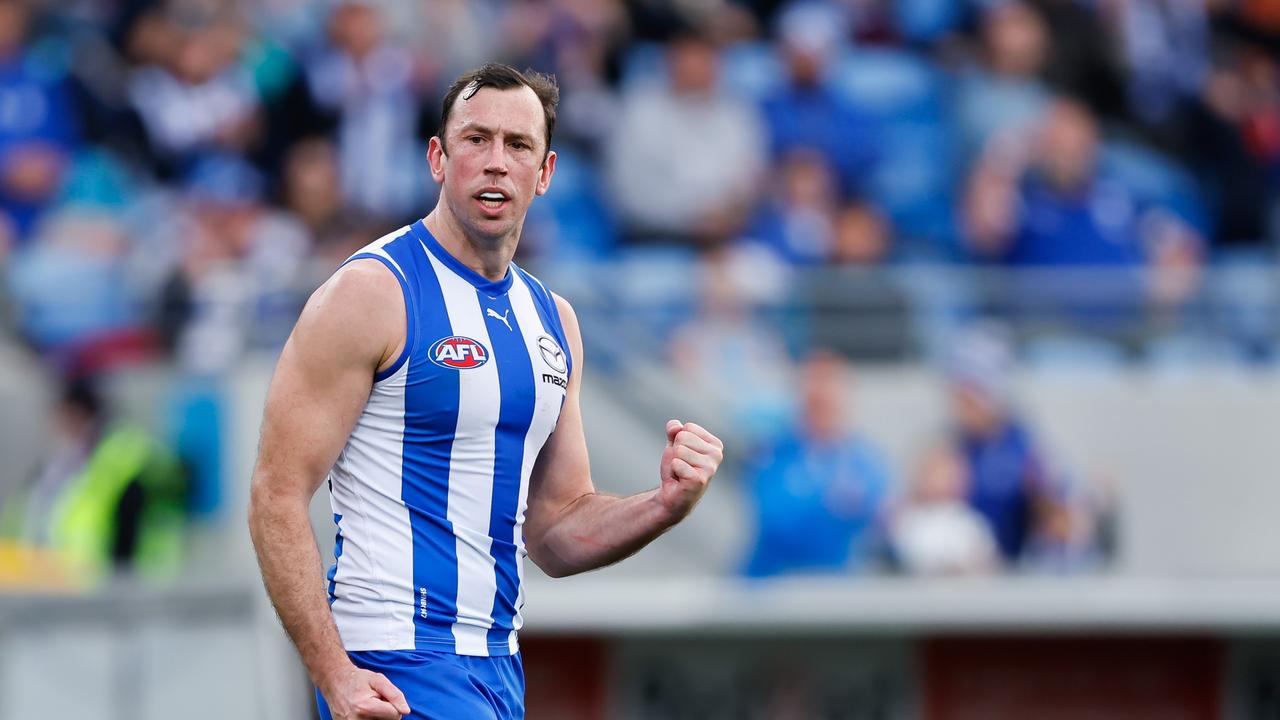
(321, 384)
(562, 472)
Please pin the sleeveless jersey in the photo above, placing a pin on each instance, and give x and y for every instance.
(429, 493)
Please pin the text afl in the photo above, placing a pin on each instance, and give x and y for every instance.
(458, 352)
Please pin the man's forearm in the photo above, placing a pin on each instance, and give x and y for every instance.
(290, 564)
(597, 530)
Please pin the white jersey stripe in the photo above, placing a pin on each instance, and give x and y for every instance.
(471, 467)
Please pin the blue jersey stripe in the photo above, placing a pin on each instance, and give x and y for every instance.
(337, 558)
(480, 282)
(431, 401)
(515, 378)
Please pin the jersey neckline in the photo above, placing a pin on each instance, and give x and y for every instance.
(480, 282)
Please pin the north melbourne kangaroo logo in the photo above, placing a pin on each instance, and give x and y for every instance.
(503, 317)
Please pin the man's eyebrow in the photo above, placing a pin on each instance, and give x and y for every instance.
(486, 130)
(476, 127)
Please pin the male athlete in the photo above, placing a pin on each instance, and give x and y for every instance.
(435, 385)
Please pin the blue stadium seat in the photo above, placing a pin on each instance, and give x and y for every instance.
(583, 225)
(915, 175)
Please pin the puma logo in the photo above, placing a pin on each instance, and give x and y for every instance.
(503, 317)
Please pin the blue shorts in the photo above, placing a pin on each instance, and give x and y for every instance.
(444, 686)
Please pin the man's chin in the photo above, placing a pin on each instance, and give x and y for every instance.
(491, 231)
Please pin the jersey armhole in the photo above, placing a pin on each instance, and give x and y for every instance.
(558, 328)
(549, 309)
(410, 315)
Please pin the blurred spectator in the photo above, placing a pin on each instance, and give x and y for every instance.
(107, 498)
(238, 282)
(854, 302)
(310, 184)
(935, 532)
(1165, 45)
(293, 23)
(863, 236)
(1083, 59)
(1059, 211)
(449, 37)
(559, 35)
(193, 96)
(1233, 143)
(363, 85)
(723, 347)
(1066, 536)
(1062, 212)
(806, 114)
(820, 492)
(579, 40)
(100, 44)
(1004, 94)
(1009, 481)
(38, 129)
(72, 293)
(796, 220)
(684, 160)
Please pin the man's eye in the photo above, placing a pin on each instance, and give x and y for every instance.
(475, 139)
(520, 145)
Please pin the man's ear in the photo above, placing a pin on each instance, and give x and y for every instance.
(544, 177)
(436, 158)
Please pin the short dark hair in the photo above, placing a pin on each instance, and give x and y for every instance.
(503, 77)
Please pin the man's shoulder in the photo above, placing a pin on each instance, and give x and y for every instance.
(385, 245)
(362, 279)
(368, 282)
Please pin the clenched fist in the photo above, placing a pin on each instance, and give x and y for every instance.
(365, 695)
(690, 459)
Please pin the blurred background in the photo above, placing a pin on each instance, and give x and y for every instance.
(983, 296)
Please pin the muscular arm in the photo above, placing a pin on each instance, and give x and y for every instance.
(352, 325)
(571, 528)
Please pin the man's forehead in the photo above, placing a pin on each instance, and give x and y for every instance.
(514, 109)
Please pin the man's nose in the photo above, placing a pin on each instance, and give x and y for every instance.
(496, 159)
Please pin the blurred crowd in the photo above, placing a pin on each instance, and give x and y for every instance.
(173, 173)
(980, 494)
(176, 175)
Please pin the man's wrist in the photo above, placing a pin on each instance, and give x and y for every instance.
(665, 516)
(333, 673)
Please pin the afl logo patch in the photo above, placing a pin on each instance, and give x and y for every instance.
(459, 353)
(552, 355)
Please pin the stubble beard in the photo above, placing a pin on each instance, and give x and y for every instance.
(485, 241)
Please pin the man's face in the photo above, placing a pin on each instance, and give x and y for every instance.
(976, 413)
(495, 163)
(1068, 145)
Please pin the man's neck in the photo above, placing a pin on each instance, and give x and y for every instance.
(489, 258)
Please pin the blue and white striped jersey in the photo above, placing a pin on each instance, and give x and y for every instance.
(430, 491)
